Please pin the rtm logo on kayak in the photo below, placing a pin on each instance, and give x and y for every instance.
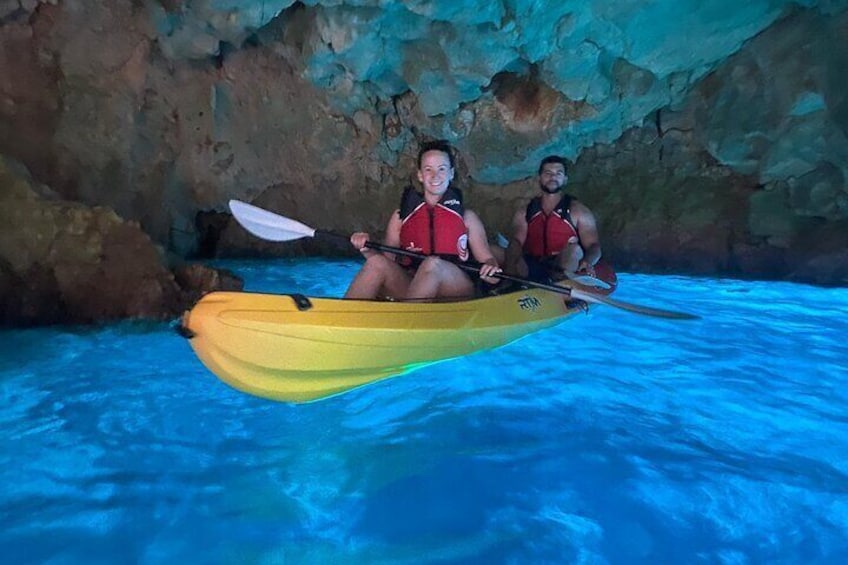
(529, 303)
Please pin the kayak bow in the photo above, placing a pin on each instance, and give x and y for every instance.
(296, 349)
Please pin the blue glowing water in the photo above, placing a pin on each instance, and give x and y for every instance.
(613, 438)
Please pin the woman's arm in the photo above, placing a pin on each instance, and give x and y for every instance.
(479, 246)
(391, 237)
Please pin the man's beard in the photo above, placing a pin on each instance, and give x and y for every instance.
(549, 191)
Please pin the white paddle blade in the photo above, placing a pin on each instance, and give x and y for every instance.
(268, 225)
(588, 280)
(635, 308)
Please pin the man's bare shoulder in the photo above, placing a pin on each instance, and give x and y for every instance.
(520, 214)
(578, 208)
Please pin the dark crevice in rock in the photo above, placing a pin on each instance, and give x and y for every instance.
(252, 41)
(223, 49)
(658, 124)
(172, 6)
(520, 89)
(290, 27)
(210, 226)
(15, 15)
(31, 299)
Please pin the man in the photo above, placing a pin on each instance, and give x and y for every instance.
(434, 223)
(555, 236)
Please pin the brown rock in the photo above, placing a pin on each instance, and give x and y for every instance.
(195, 280)
(70, 263)
(830, 269)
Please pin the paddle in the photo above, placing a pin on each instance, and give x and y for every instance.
(273, 227)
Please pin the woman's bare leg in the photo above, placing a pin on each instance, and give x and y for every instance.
(437, 278)
(379, 275)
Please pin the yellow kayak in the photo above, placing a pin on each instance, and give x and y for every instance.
(296, 349)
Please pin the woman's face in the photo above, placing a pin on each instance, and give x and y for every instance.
(435, 172)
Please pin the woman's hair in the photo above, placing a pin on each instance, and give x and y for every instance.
(437, 145)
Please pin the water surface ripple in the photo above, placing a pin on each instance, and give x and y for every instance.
(613, 438)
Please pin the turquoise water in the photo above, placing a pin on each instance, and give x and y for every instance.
(613, 438)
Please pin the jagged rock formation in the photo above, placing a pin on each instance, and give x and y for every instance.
(66, 262)
(709, 137)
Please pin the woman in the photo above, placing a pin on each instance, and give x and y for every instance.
(434, 223)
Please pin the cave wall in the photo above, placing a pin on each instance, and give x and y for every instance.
(709, 137)
(747, 174)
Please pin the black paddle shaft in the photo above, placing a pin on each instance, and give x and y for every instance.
(273, 227)
(469, 267)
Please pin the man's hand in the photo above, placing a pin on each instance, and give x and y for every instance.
(585, 267)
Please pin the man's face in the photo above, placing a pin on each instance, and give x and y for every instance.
(436, 172)
(552, 179)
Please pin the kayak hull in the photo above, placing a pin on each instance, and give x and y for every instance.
(297, 349)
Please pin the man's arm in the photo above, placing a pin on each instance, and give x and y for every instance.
(587, 231)
(515, 250)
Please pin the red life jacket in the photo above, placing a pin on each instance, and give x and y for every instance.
(434, 230)
(548, 234)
